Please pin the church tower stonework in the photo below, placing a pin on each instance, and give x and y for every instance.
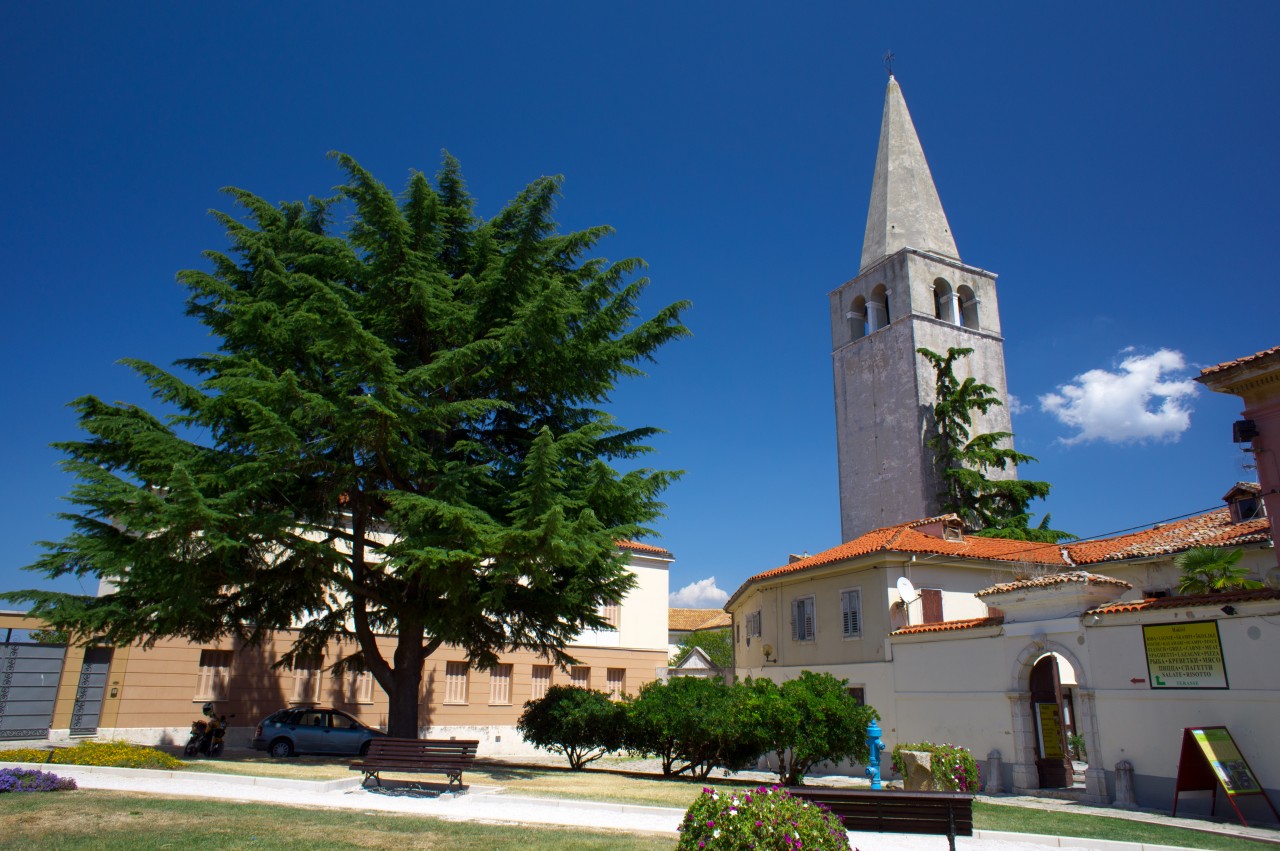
(911, 291)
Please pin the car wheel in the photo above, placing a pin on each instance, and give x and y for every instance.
(281, 748)
(364, 749)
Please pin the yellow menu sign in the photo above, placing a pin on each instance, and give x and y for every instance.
(1227, 762)
(1184, 655)
(1050, 730)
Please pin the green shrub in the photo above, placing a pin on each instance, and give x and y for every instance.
(954, 769)
(767, 818)
(691, 725)
(582, 724)
(117, 754)
(805, 721)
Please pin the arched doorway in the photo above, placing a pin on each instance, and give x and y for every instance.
(1053, 764)
(1050, 690)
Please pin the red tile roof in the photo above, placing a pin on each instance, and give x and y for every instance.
(948, 626)
(1186, 602)
(1053, 579)
(1214, 529)
(636, 546)
(906, 538)
(1231, 364)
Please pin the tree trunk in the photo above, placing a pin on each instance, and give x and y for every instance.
(406, 683)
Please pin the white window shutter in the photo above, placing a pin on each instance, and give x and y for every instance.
(808, 619)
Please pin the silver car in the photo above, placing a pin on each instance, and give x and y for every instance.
(312, 730)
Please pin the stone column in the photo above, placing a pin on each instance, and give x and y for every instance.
(1095, 776)
(1025, 777)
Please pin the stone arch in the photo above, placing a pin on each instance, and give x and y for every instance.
(967, 302)
(878, 315)
(857, 317)
(945, 305)
(1023, 760)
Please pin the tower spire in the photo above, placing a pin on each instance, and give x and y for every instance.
(905, 210)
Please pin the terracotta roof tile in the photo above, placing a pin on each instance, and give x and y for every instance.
(719, 621)
(1214, 529)
(692, 619)
(948, 626)
(905, 538)
(1053, 579)
(1186, 602)
(636, 546)
(1222, 367)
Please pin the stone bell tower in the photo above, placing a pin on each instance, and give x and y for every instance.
(911, 291)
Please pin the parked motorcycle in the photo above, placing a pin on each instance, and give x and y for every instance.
(207, 734)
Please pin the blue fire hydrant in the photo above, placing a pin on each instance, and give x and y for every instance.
(875, 746)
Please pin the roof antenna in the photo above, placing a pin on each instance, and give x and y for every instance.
(888, 62)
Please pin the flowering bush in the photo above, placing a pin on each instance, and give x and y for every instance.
(953, 767)
(119, 754)
(25, 780)
(767, 818)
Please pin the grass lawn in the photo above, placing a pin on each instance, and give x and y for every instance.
(988, 816)
(95, 819)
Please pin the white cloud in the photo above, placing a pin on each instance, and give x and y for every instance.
(1143, 399)
(702, 594)
(1016, 405)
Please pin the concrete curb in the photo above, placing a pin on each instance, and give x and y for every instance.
(1074, 841)
(207, 776)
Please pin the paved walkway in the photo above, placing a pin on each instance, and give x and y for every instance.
(492, 804)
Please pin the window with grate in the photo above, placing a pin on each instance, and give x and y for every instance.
(612, 613)
(455, 682)
(803, 627)
(500, 685)
(858, 693)
(753, 625)
(580, 676)
(307, 671)
(215, 675)
(541, 681)
(616, 679)
(851, 613)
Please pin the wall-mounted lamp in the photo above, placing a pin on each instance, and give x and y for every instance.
(768, 652)
(1228, 610)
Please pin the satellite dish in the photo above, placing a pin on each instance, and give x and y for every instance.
(906, 590)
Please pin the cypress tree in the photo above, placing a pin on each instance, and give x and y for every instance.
(400, 433)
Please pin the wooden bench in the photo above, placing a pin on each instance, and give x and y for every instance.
(947, 814)
(418, 756)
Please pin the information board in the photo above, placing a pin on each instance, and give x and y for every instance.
(1211, 760)
(1184, 655)
(1050, 730)
(1225, 759)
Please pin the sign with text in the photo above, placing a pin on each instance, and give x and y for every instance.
(1184, 655)
(1050, 723)
(1210, 761)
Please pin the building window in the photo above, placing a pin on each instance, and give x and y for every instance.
(580, 676)
(214, 676)
(858, 693)
(753, 624)
(500, 685)
(362, 687)
(802, 620)
(851, 613)
(857, 317)
(931, 602)
(616, 679)
(612, 614)
(455, 682)
(306, 679)
(968, 303)
(541, 681)
(878, 309)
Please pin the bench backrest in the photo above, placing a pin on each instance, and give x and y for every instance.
(933, 813)
(423, 750)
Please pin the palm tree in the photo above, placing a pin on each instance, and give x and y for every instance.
(1209, 570)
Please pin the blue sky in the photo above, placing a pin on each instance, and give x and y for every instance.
(1113, 163)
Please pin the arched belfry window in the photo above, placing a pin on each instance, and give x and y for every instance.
(968, 307)
(878, 309)
(945, 304)
(857, 317)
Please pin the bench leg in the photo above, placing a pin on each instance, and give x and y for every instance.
(371, 775)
